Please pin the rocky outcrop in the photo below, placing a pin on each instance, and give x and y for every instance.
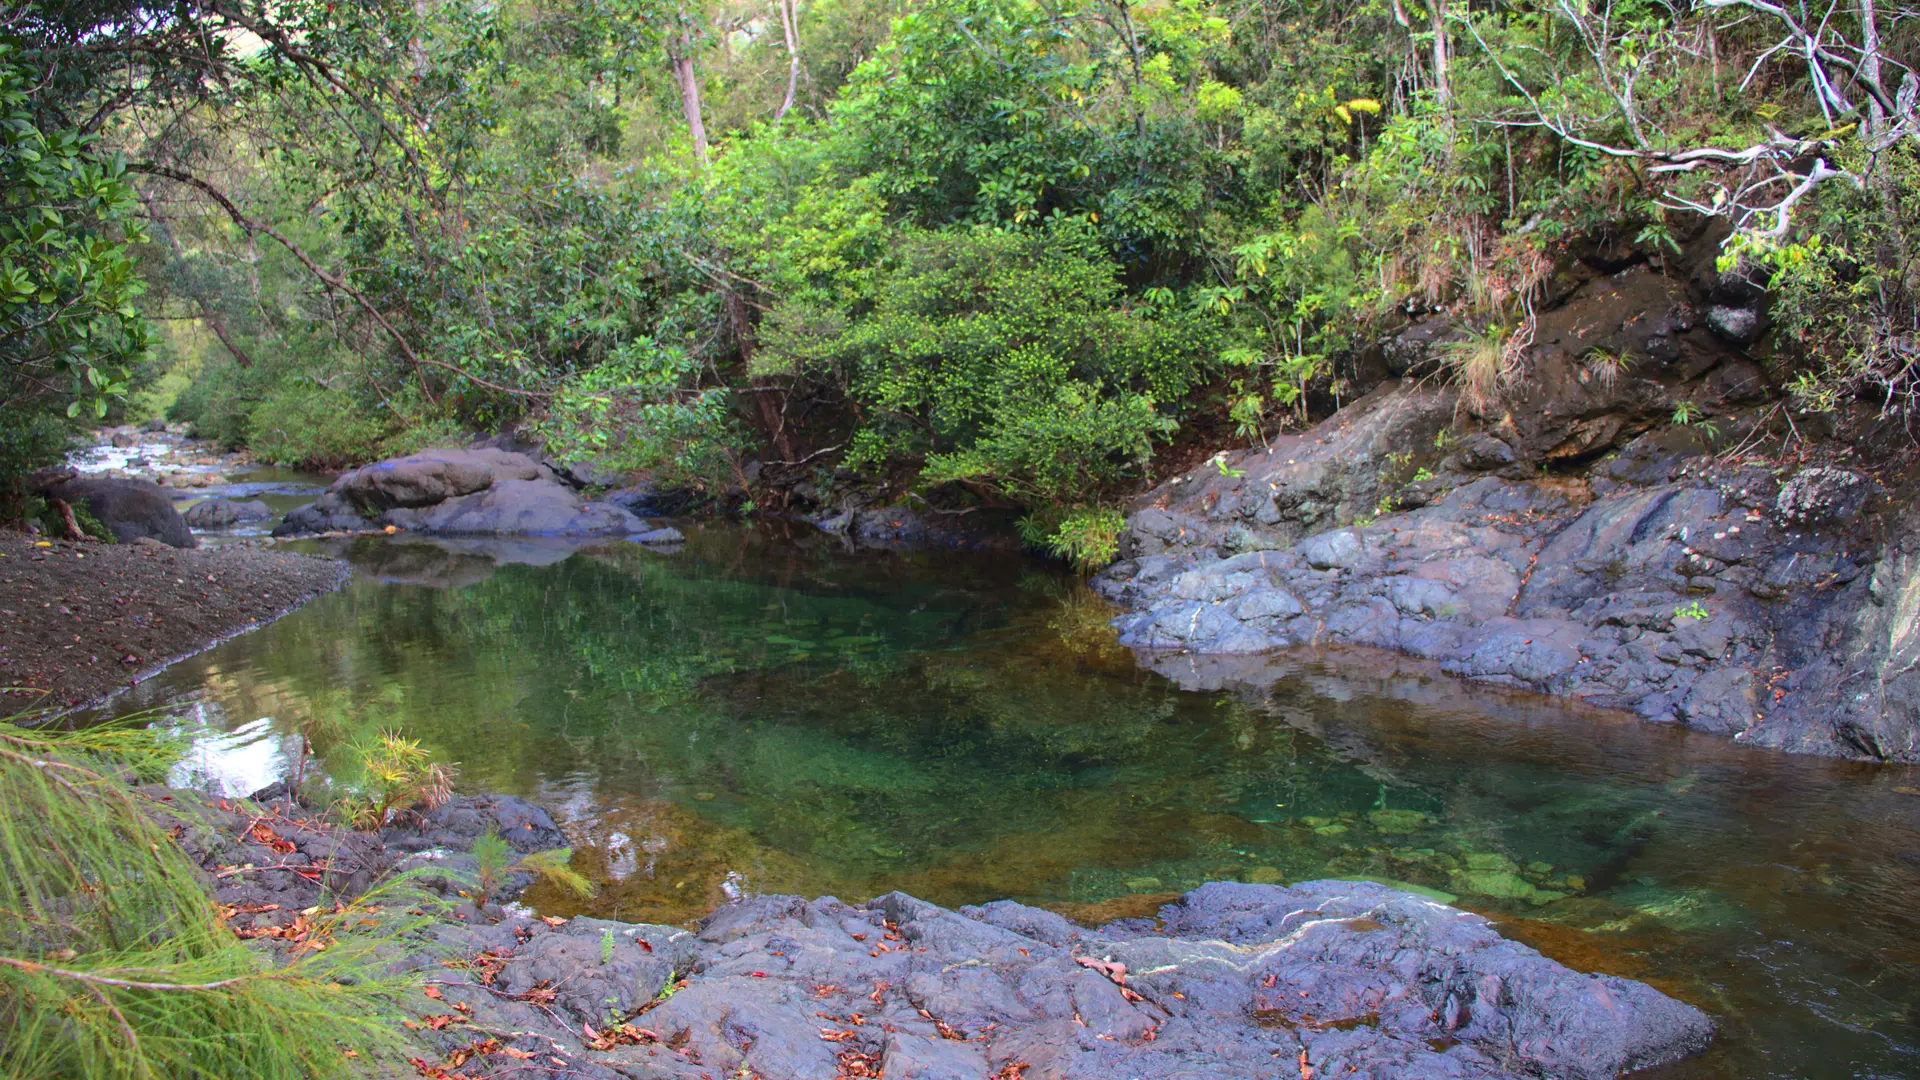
(1564, 534)
(1661, 579)
(130, 509)
(1231, 981)
(1235, 981)
(226, 513)
(476, 492)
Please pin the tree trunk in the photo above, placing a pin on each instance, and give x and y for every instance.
(1870, 69)
(771, 417)
(680, 54)
(790, 26)
(1442, 85)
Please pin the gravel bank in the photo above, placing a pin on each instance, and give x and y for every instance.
(79, 621)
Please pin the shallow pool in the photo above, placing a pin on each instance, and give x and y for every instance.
(766, 709)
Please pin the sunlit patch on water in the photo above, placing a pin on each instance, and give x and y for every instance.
(226, 762)
(759, 713)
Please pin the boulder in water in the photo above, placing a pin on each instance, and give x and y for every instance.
(226, 513)
(431, 477)
(518, 508)
(482, 492)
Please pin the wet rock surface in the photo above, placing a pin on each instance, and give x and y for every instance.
(1231, 981)
(474, 492)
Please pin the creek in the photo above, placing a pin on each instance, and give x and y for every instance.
(764, 710)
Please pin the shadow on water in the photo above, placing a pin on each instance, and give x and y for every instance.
(768, 707)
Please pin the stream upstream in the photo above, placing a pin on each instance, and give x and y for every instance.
(762, 709)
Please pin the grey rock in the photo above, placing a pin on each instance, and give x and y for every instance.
(1740, 325)
(649, 499)
(1820, 494)
(518, 508)
(525, 826)
(433, 476)
(329, 513)
(226, 513)
(130, 509)
(1345, 977)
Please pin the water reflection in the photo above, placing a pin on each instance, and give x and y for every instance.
(764, 708)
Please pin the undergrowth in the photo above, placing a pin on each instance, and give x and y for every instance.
(114, 961)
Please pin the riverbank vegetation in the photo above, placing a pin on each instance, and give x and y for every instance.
(144, 977)
(992, 253)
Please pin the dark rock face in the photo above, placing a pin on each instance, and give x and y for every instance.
(648, 499)
(897, 527)
(329, 513)
(130, 509)
(525, 826)
(226, 513)
(1660, 579)
(1239, 981)
(477, 492)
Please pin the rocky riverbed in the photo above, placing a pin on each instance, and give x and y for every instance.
(1230, 981)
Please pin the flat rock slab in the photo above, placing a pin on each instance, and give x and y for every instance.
(1233, 982)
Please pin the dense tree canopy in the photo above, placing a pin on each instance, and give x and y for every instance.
(995, 250)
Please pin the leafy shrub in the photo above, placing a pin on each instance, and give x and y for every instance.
(644, 410)
(1088, 537)
(29, 439)
(1008, 360)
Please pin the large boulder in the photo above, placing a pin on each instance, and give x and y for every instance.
(226, 513)
(477, 492)
(433, 476)
(518, 508)
(130, 509)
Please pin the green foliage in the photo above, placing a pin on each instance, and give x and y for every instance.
(1694, 611)
(397, 775)
(30, 438)
(1479, 364)
(495, 858)
(1007, 247)
(645, 410)
(142, 977)
(69, 330)
(1005, 360)
(1088, 537)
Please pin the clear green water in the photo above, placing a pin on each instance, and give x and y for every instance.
(962, 727)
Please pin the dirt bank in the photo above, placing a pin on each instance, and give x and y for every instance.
(78, 621)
